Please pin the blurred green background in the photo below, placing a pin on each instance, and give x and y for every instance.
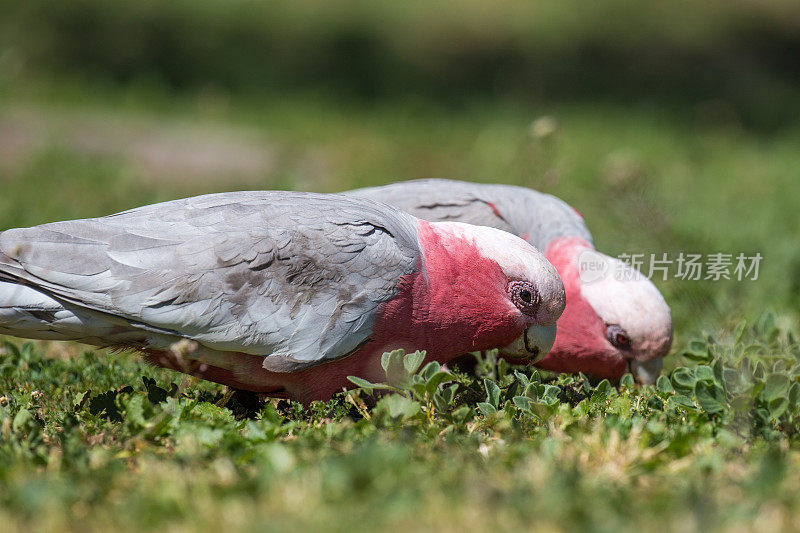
(673, 126)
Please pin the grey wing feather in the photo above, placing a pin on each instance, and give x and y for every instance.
(438, 200)
(538, 216)
(297, 277)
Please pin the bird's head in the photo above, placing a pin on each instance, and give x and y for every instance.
(616, 321)
(480, 288)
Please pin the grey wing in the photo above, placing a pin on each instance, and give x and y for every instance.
(533, 215)
(297, 277)
(439, 200)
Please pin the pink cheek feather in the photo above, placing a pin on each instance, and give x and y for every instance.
(580, 344)
(462, 306)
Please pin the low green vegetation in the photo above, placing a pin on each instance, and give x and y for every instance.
(98, 441)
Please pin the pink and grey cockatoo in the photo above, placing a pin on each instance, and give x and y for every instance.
(278, 292)
(615, 321)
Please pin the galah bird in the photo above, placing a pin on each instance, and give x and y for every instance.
(615, 320)
(278, 292)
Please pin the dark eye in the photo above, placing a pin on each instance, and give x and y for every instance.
(618, 337)
(525, 296)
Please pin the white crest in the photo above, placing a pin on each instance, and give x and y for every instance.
(622, 295)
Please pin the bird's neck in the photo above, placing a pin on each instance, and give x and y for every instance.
(579, 344)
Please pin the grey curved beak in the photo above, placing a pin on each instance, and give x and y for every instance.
(533, 344)
(646, 372)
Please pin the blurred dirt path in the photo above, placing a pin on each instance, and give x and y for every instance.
(159, 149)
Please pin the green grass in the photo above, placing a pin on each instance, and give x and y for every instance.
(89, 442)
(712, 447)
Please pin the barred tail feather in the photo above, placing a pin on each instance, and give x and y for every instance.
(26, 312)
(32, 314)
